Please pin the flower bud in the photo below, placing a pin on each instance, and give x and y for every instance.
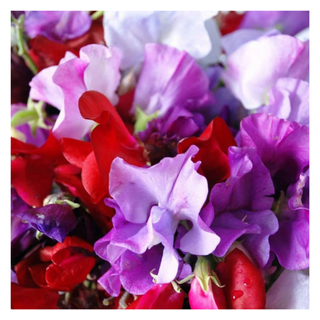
(205, 291)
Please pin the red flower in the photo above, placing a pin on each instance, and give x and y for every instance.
(59, 268)
(33, 169)
(160, 296)
(244, 284)
(110, 139)
(213, 154)
(31, 298)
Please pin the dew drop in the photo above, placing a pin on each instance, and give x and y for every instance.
(247, 282)
(236, 294)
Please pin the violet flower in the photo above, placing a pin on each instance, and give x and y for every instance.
(150, 203)
(22, 233)
(130, 31)
(53, 220)
(57, 25)
(97, 69)
(285, 152)
(282, 145)
(240, 206)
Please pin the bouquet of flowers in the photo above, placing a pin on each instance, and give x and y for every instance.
(159, 160)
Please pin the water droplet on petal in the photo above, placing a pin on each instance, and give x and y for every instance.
(247, 282)
(236, 294)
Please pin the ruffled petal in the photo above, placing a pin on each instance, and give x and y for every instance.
(169, 77)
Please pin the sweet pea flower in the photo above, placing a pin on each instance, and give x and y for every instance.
(205, 289)
(243, 282)
(272, 58)
(62, 85)
(240, 206)
(150, 203)
(160, 296)
(130, 31)
(33, 298)
(284, 150)
(289, 100)
(169, 78)
(57, 25)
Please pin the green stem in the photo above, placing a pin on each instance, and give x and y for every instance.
(97, 15)
(22, 117)
(22, 51)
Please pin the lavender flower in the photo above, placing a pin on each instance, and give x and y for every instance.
(57, 25)
(150, 203)
(272, 58)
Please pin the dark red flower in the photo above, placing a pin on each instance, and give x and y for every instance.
(60, 267)
(33, 169)
(213, 146)
(244, 284)
(160, 296)
(33, 298)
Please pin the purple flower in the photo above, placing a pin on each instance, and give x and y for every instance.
(22, 233)
(53, 220)
(288, 22)
(291, 242)
(284, 149)
(163, 134)
(169, 78)
(150, 203)
(240, 206)
(282, 145)
(130, 31)
(97, 69)
(271, 58)
(57, 25)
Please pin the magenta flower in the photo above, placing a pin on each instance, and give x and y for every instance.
(150, 203)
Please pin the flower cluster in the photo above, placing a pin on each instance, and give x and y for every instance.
(159, 160)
